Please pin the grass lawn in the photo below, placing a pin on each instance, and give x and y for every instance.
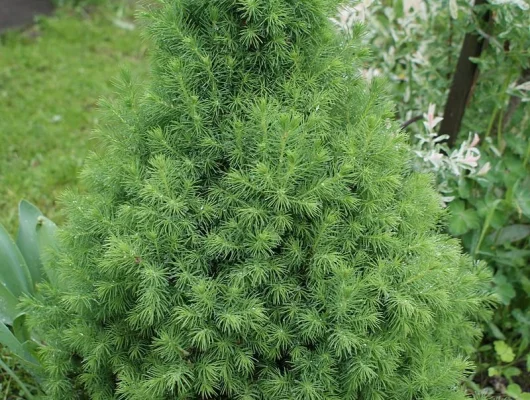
(51, 77)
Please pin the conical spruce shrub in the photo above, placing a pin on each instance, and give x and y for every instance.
(253, 230)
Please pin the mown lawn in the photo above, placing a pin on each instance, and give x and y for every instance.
(51, 77)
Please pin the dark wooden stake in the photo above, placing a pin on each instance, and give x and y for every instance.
(464, 80)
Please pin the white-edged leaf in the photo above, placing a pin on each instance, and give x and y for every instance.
(453, 9)
(523, 86)
(522, 4)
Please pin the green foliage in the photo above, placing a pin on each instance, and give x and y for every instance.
(47, 104)
(253, 230)
(418, 49)
(507, 369)
(22, 261)
(48, 100)
(21, 269)
(503, 240)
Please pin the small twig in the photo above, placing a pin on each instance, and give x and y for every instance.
(411, 121)
(7, 388)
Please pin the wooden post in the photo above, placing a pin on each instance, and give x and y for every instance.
(464, 79)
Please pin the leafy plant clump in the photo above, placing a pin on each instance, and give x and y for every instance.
(22, 268)
(416, 44)
(253, 229)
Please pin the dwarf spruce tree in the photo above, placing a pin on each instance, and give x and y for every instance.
(253, 230)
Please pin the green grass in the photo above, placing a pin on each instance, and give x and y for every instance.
(51, 77)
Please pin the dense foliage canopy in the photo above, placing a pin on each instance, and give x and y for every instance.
(253, 229)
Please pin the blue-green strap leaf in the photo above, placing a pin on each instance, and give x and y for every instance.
(36, 235)
(14, 273)
(8, 306)
(9, 340)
